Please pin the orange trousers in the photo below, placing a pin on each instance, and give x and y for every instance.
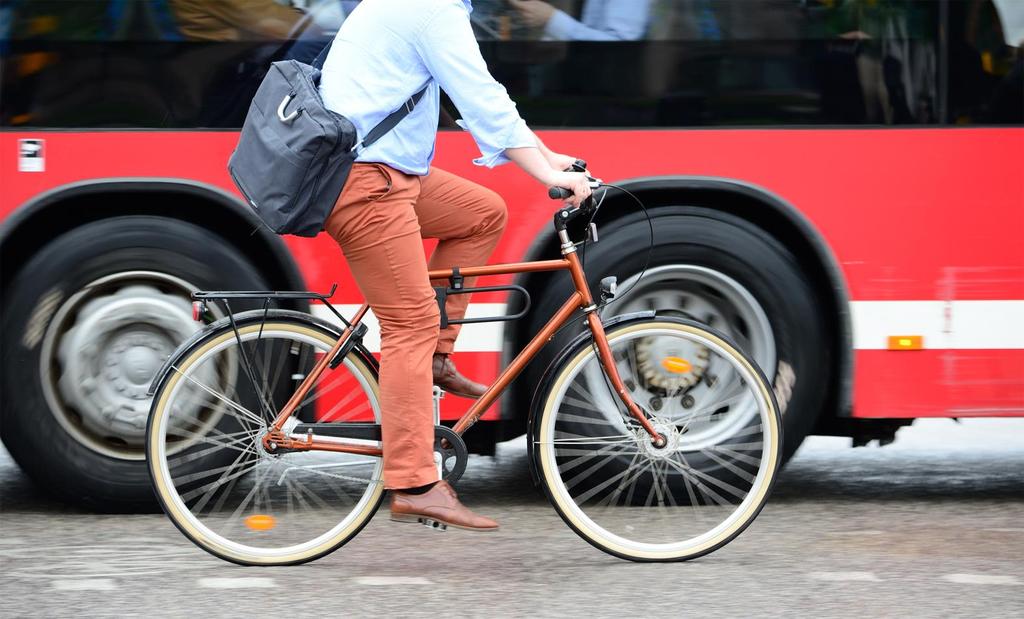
(379, 221)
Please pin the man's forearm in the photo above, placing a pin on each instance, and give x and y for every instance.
(533, 162)
(544, 150)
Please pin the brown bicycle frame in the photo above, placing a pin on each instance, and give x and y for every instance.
(579, 300)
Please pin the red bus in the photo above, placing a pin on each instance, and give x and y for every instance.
(836, 184)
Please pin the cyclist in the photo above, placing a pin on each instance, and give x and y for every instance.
(386, 51)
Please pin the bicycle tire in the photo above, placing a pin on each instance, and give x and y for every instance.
(549, 466)
(275, 322)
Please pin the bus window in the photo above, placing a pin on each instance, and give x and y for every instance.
(693, 63)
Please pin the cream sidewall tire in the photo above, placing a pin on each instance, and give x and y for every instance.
(176, 511)
(612, 543)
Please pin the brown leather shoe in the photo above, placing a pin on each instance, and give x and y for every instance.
(438, 507)
(448, 378)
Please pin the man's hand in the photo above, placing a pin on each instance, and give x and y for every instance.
(560, 162)
(533, 13)
(577, 182)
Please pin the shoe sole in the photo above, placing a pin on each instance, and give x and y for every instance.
(436, 523)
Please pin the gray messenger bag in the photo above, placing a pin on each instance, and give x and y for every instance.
(294, 155)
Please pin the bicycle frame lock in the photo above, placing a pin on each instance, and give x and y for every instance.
(457, 286)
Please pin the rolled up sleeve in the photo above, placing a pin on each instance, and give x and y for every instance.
(616, 20)
(452, 56)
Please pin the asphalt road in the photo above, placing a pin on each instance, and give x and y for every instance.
(932, 526)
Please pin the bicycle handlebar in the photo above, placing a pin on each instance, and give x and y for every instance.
(561, 193)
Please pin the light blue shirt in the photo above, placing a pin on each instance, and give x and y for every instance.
(387, 50)
(602, 20)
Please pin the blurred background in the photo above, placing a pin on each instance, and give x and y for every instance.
(835, 184)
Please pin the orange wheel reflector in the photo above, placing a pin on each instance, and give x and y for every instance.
(676, 365)
(261, 522)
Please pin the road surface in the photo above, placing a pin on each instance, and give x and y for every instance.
(932, 526)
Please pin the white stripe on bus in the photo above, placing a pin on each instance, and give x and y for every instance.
(946, 325)
(483, 337)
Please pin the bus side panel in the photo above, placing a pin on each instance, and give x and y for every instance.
(922, 221)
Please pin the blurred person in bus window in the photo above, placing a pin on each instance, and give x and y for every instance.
(602, 20)
(255, 32)
(235, 20)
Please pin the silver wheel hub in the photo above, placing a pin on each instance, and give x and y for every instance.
(102, 350)
(667, 431)
(710, 297)
(707, 296)
(112, 352)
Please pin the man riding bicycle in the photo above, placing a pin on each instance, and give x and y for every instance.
(386, 51)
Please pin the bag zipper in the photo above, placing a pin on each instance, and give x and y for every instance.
(241, 188)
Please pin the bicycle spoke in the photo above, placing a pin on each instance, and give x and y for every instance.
(739, 472)
(613, 496)
(238, 407)
(216, 446)
(735, 455)
(588, 455)
(227, 476)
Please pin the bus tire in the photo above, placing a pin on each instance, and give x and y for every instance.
(87, 322)
(721, 270)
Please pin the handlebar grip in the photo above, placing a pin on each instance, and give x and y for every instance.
(559, 193)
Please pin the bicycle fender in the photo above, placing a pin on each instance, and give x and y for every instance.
(246, 318)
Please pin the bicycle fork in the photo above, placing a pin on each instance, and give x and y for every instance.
(601, 340)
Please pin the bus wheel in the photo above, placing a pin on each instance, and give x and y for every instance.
(87, 322)
(722, 271)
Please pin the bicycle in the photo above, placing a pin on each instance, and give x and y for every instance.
(654, 437)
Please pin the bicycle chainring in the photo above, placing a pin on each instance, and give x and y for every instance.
(453, 453)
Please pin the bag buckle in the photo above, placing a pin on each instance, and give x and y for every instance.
(281, 108)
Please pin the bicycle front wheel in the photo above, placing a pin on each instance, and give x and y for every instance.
(210, 470)
(634, 499)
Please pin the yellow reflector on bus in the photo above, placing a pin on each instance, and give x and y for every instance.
(676, 365)
(906, 342)
(261, 522)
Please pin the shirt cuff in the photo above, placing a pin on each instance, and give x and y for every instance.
(493, 155)
(560, 26)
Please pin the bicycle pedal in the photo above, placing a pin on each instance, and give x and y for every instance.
(433, 524)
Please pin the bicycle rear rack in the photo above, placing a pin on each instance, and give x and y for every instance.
(199, 310)
(267, 296)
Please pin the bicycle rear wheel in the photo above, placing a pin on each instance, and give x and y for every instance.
(210, 470)
(629, 497)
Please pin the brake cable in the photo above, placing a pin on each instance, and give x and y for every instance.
(583, 249)
(619, 405)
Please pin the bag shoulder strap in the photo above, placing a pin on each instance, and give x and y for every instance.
(392, 119)
(321, 58)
